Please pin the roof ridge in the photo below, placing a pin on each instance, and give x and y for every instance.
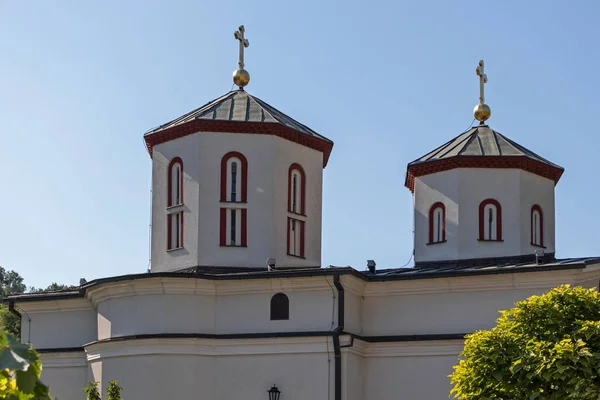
(525, 150)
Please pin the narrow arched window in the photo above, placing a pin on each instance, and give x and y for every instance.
(297, 209)
(296, 189)
(537, 226)
(234, 196)
(490, 220)
(280, 307)
(175, 182)
(437, 223)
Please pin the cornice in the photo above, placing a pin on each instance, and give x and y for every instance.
(253, 128)
(478, 283)
(65, 305)
(499, 162)
(64, 359)
(205, 347)
(203, 287)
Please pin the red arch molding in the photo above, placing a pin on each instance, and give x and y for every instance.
(297, 167)
(537, 208)
(174, 161)
(244, 161)
(498, 219)
(441, 205)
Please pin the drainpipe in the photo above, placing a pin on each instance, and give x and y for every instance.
(336, 339)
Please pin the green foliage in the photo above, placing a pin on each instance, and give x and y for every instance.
(91, 391)
(546, 348)
(114, 391)
(20, 370)
(10, 283)
(53, 287)
(9, 323)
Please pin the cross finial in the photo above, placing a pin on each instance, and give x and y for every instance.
(241, 76)
(481, 112)
(482, 80)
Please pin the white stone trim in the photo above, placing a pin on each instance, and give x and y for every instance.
(65, 359)
(64, 305)
(207, 347)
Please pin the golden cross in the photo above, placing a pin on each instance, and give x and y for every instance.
(482, 80)
(239, 35)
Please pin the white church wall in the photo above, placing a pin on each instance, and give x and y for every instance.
(216, 369)
(353, 376)
(352, 310)
(410, 370)
(537, 190)
(159, 313)
(449, 306)
(62, 323)
(462, 191)
(188, 149)
(269, 158)
(286, 154)
(65, 374)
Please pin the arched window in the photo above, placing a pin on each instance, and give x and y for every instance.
(296, 189)
(490, 220)
(297, 209)
(537, 226)
(175, 182)
(175, 198)
(280, 307)
(234, 196)
(437, 223)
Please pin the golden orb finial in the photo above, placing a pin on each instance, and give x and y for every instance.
(482, 111)
(241, 77)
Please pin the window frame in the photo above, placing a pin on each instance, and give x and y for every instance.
(432, 210)
(170, 201)
(538, 209)
(482, 225)
(170, 231)
(301, 197)
(225, 195)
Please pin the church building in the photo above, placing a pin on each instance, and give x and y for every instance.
(236, 304)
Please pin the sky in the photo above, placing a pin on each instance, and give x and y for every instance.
(387, 81)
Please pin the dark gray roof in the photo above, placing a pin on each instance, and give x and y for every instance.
(431, 271)
(480, 141)
(240, 106)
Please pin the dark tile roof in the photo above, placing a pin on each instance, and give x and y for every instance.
(442, 269)
(240, 106)
(480, 141)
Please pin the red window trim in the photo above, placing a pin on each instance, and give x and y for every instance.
(174, 161)
(170, 231)
(302, 232)
(498, 220)
(435, 206)
(223, 228)
(244, 185)
(297, 167)
(536, 207)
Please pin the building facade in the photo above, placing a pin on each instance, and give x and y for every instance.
(236, 301)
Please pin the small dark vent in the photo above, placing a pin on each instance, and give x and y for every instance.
(280, 307)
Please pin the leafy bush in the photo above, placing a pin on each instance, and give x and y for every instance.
(20, 370)
(545, 348)
(91, 391)
(114, 391)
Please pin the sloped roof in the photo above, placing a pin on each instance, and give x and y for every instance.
(480, 141)
(481, 147)
(240, 106)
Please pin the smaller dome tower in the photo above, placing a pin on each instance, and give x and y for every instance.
(481, 196)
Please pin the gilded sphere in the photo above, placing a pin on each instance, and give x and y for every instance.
(241, 77)
(481, 112)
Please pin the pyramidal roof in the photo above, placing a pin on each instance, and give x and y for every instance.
(240, 106)
(481, 141)
(481, 147)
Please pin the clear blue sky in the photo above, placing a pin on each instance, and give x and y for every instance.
(81, 81)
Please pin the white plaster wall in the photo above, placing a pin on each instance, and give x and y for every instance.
(162, 313)
(353, 312)
(435, 313)
(269, 158)
(188, 149)
(409, 378)
(462, 190)
(65, 374)
(353, 377)
(53, 329)
(537, 190)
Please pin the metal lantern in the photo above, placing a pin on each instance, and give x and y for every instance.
(274, 393)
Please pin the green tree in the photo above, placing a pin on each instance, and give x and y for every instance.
(20, 370)
(113, 392)
(91, 391)
(545, 348)
(10, 283)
